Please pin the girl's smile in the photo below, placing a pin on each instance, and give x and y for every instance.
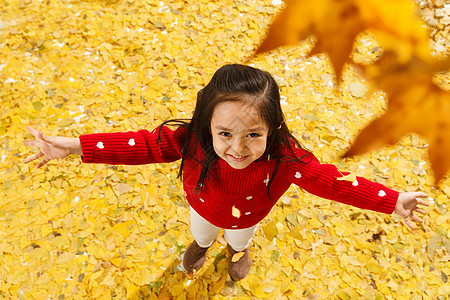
(239, 135)
(237, 158)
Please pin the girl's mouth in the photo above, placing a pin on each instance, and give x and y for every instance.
(237, 158)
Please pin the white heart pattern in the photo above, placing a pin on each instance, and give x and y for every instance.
(381, 193)
(131, 142)
(298, 175)
(100, 145)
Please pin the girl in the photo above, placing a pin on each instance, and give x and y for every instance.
(237, 159)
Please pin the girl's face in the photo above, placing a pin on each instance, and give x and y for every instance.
(239, 135)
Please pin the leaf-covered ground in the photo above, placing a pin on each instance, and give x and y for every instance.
(75, 231)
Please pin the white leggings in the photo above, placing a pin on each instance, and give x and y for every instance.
(206, 233)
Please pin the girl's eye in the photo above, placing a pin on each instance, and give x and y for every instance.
(253, 134)
(224, 133)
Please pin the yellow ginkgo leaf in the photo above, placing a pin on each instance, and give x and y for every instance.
(237, 257)
(350, 177)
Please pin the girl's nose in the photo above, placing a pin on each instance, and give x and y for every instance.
(238, 145)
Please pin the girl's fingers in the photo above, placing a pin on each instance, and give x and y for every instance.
(420, 211)
(33, 157)
(408, 223)
(416, 219)
(37, 134)
(43, 162)
(42, 136)
(420, 194)
(423, 202)
(33, 143)
(32, 131)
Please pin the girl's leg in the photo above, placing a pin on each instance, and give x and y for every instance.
(204, 235)
(204, 232)
(238, 241)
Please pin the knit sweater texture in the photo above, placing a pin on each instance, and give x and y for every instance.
(232, 198)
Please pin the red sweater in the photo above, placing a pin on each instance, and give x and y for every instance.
(231, 198)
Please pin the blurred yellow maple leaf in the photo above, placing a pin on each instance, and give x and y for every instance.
(415, 104)
(336, 23)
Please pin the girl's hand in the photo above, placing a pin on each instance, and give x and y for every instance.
(407, 205)
(51, 147)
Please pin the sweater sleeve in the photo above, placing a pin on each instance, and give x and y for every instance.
(322, 180)
(133, 148)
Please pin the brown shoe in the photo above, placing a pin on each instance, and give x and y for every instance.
(239, 269)
(194, 257)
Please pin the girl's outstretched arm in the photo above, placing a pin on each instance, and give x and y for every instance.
(51, 147)
(133, 147)
(326, 181)
(407, 205)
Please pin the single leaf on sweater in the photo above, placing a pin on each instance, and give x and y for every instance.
(236, 212)
(350, 177)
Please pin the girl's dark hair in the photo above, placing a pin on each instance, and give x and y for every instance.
(236, 82)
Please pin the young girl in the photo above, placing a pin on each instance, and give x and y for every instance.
(237, 159)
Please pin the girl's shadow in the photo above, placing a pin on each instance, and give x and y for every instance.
(210, 280)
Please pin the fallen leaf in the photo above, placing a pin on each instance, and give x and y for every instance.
(109, 280)
(270, 230)
(122, 188)
(237, 256)
(434, 244)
